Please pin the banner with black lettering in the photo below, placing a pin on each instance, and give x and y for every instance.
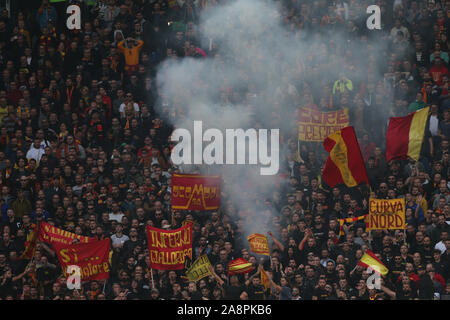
(199, 269)
(315, 125)
(387, 214)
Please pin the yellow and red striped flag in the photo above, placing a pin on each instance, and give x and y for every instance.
(239, 266)
(369, 259)
(404, 135)
(349, 220)
(345, 163)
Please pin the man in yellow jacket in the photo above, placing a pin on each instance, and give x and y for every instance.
(130, 48)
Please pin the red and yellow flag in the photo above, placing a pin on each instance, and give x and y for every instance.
(404, 135)
(345, 163)
(349, 220)
(51, 234)
(370, 260)
(239, 266)
(92, 258)
(259, 244)
(188, 221)
(30, 243)
(195, 192)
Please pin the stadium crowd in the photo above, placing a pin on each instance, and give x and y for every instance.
(84, 145)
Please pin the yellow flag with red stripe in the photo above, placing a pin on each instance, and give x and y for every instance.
(369, 259)
(239, 266)
(345, 164)
(404, 136)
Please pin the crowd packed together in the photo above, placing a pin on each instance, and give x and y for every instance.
(85, 146)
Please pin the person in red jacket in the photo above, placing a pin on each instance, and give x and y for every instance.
(438, 70)
(409, 272)
(436, 277)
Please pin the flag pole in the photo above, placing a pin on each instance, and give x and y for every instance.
(153, 282)
(104, 286)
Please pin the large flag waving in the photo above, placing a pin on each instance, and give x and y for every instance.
(345, 163)
(404, 135)
(369, 259)
(239, 266)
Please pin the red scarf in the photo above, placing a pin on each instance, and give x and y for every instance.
(69, 94)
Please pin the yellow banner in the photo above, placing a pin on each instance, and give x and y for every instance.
(315, 125)
(387, 214)
(199, 269)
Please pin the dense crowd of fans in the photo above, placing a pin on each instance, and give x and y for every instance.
(84, 145)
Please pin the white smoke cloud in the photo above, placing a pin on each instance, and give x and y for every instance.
(266, 66)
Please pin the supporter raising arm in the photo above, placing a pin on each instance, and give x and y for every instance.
(130, 48)
(277, 242)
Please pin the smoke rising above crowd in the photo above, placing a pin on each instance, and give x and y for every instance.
(257, 73)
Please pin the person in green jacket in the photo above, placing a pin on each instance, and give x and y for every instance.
(418, 104)
(342, 84)
(21, 205)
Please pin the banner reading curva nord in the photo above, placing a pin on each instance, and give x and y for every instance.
(386, 214)
(168, 248)
(195, 192)
(315, 125)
